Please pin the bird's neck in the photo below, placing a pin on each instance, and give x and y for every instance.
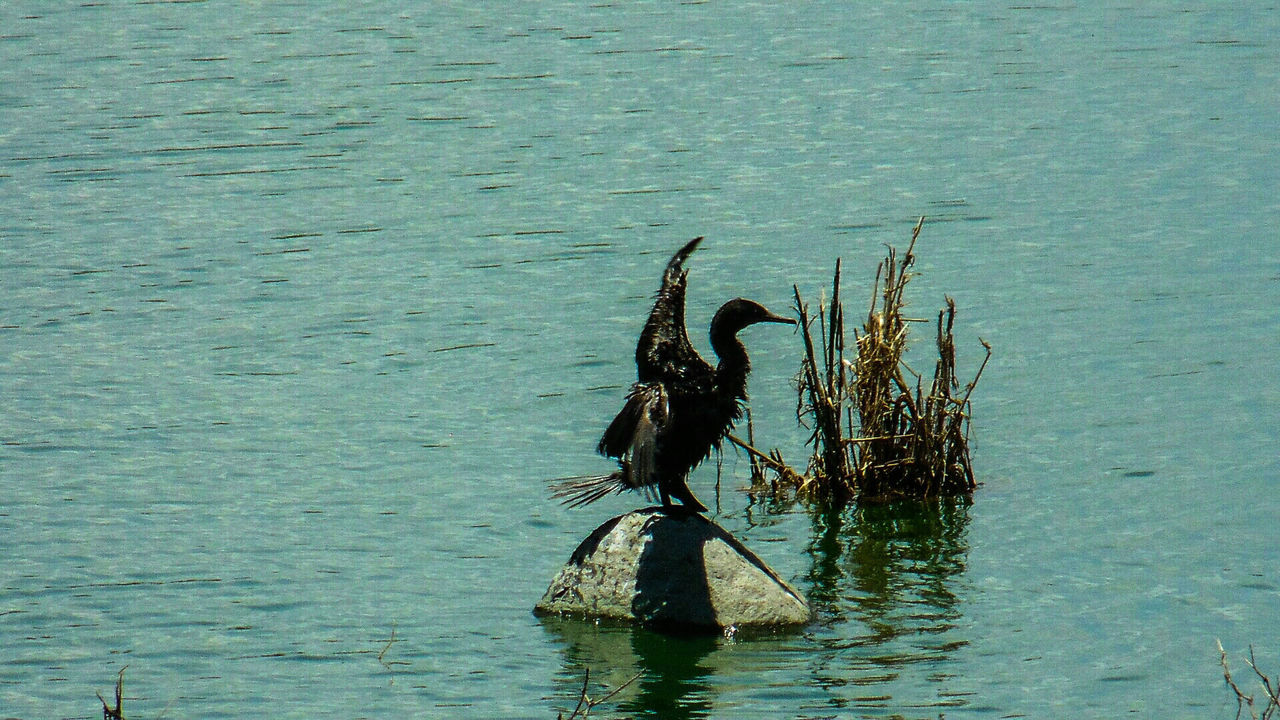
(734, 365)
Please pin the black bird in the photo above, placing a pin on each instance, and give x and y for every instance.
(680, 406)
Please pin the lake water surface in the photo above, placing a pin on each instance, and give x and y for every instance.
(301, 304)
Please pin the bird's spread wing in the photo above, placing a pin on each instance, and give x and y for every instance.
(633, 435)
(664, 348)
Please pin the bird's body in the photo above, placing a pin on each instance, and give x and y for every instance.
(680, 407)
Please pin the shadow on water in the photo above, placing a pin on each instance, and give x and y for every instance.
(673, 671)
(883, 582)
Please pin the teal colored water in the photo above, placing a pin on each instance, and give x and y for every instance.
(301, 304)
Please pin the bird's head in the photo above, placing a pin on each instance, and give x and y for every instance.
(741, 312)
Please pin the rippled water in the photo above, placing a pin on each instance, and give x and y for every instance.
(301, 303)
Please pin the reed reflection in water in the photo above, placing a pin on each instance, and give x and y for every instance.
(885, 585)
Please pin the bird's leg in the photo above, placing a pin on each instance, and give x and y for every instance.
(687, 500)
(692, 503)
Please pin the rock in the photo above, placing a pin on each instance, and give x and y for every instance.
(671, 571)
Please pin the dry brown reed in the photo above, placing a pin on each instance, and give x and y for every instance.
(876, 434)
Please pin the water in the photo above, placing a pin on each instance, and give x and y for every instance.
(300, 304)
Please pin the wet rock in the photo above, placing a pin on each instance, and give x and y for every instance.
(675, 572)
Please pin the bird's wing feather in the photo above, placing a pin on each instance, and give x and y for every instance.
(617, 437)
(644, 442)
(633, 435)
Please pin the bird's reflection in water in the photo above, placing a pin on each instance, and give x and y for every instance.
(674, 683)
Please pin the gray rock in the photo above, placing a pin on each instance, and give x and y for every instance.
(676, 571)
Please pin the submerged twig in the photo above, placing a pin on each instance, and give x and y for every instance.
(586, 704)
(387, 647)
(1270, 687)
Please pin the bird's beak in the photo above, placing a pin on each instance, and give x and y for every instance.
(779, 319)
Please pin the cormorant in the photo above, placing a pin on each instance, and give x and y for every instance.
(680, 406)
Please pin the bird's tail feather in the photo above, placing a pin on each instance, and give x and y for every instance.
(586, 489)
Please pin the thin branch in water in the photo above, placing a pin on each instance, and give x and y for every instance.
(1270, 687)
(618, 689)
(117, 712)
(582, 696)
(387, 647)
(771, 461)
(586, 704)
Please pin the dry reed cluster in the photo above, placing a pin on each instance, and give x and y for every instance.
(876, 433)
